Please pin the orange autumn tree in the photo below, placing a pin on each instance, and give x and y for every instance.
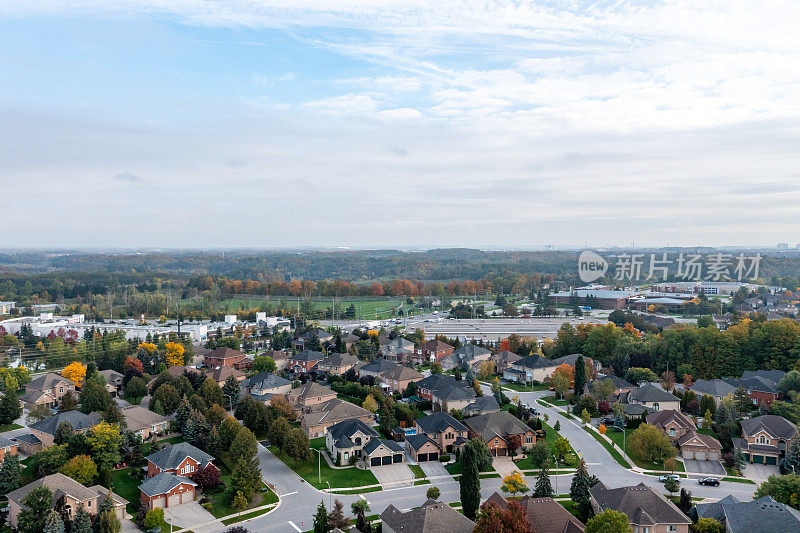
(174, 354)
(562, 379)
(75, 372)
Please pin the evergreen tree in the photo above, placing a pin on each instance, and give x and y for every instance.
(182, 415)
(10, 474)
(321, 519)
(469, 483)
(113, 415)
(82, 523)
(158, 408)
(580, 375)
(232, 389)
(685, 501)
(64, 433)
(10, 408)
(579, 491)
(67, 403)
(213, 444)
(35, 508)
(543, 488)
(53, 523)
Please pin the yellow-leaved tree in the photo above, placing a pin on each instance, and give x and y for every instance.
(148, 346)
(175, 354)
(75, 372)
(514, 483)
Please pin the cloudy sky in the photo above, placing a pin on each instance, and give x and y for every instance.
(399, 123)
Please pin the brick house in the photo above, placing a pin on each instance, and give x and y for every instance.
(336, 364)
(497, 429)
(166, 490)
(648, 511)
(7, 447)
(317, 418)
(436, 384)
(309, 395)
(652, 397)
(45, 430)
(674, 423)
(75, 495)
(398, 378)
(432, 350)
(46, 390)
(144, 422)
(182, 459)
(222, 357)
(168, 480)
(222, 373)
(422, 448)
(681, 429)
(765, 439)
(303, 362)
(447, 432)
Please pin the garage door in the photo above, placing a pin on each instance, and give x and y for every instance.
(713, 456)
(502, 451)
(422, 457)
(772, 460)
(375, 461)
(158, 503)
(175, 499)
(700, 456)
(688, 454)
(398, 458)
(386, 460)
(758, 459)
(187, 496)
(434, 456)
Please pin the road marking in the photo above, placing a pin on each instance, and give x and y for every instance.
(287, 494)
(295, 527)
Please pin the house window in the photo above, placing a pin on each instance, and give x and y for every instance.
(671, 432)
(655, 408)
(528, 440)
(755, 401)
(645, 529)
(672, 528)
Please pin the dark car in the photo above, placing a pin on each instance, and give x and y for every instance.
(607, 421)
(710, 481)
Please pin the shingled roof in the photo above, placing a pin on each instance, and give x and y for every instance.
(545, 515)
(171, 457)
(642, 505)
(651, 393)
(775, 425)
(163, 483)
(499, 424)
(432, 517)
(76, 419)
(438, 422)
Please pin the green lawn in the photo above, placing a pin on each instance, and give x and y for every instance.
(126, 483)
(367, 307)
(550, 439)
(455, 469)
(223, 499)
(524, 388)
(243, 517)
(607, 445)
(337, 477)
(317, 443)
(419, 475)
(616, 436)
(572, 507)
(553, 400)
(9, 427)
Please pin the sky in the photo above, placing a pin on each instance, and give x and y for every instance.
(260, 123)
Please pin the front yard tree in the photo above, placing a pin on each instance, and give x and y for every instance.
(514, 483)
(81, 468)
(370, 404)
(580, 375)
(685, 501)
(481, 452)
(105, 441)
(10, 408)
(783, 488)
(579, 491)
(470, 483)
(245, 478)
(35, 508)
(707, 525)
(183, 414)
(67, 403)
(10, 474)
(211, 392)
(585, 417)
(539, 453)
(296, 445)
(53, 523)
(278, 431)
(228, 431)
(560, 380)
(494, 519)
(562, 448)
(671, 485)
(648, 444)
(244, 446)
(232, 390)
(94, 397)
(360, 508)
(321, 519)
(82, 523)
(543, 488)
(609, 521)
(337, 519)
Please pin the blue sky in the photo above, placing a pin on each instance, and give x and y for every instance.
(460, 123)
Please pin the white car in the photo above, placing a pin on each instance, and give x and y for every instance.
(665, 477)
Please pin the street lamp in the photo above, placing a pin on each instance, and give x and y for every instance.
(330, 495)
(319, 465)
(555, 474)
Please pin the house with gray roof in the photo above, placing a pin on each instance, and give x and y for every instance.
(764, 515)
(265, 385)
(653, 397)
(447, 432)
(646, 509)
(765, 439)
(716, 388)
(545, 515)
(431, 517)
(467, 355)
(347, 438)
(379, 452)
(181, 458)
(166, 489)
(422, 448)
(47, 390)
(481, 406)
(398, 350)
(376, 368)
(45, 430)
(499, 430)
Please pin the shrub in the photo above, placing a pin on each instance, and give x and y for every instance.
(208, 506)
(444, 458)
(154, 518)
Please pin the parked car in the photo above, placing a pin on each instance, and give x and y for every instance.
(710, 481)
(665, 477)
(607, 421)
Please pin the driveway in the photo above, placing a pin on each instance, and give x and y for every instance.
(704, 467)
(433, 468)
(393, 475)
(759, 473)
(187, 515)
(504, 465)
(129, 527)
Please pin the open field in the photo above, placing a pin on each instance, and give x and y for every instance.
(366, 308)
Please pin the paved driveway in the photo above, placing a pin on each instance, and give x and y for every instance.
(433, 468)
(704, 467)
(393, 475)
(187, 515)
(504, 465)
(759, 473)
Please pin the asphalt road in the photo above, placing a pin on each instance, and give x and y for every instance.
(299, 500)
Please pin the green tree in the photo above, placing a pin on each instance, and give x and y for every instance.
(483, 456)
(649, 445)
(585, 417)
(539, 453)
(671, 485)
(360, 508)
(136, 388)
(35, 508)
(244, 446)
(543, 488)
(106, 442)
(183, 414)
(53, 523)
(562, 447)
(707, 525)
(580, 375)
(296, 445)
(609, 521)
(67, 403)
(433, 493)
(321, 519)
(10, 408)
(94, 397)
(82, 522)
(264, 364)
(278, 431)
(109, 523)
(81, 468)
(560, 383)
(469, 483)
(240, 501)
(154, 518)
(783, 488)
(603, 389)
(10, 474)
(211, 392)
(579, 491)
(245, 478)
(742, 402)
(166, 396)
(232, 390)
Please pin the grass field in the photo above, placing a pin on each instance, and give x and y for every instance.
(616, 436)
(126, 484)
(337, 477)
(366, 308)
(8, 427)
(550, 439)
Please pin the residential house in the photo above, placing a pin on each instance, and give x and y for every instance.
(503, 359)
(222, 357)
(421, 448)
(76, 496)
(145, 422)
(309, 395)
(244, 364)
(620, 385)
(444, 430)
(398, 378)
(8, 447)
(317, 418)
(46, 390)
(762, 386)
(437, 387)
(481, 406)
(376, 368)
(430, 351)
(303, 362)
(336, 364)
(399, 350)
(537, 367)
(349, 340)
(265, 385)
(113, 382)
(379, 452)
(545, 515)
(716, 388)
(182, 459)
(347, 438)
(648, 510)
(306, 338)
(652, 397)
(166, 489)
(499, 429)
(764, 515)
(765, 439)
(221, 374)
(169, 474)
(469, 355)
(450, 397)
(175, 372)
(431, 517)
(280, 357)
(682, 431)
(44, 431)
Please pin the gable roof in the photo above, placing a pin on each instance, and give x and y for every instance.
(401, 373)
(650, 393)
(506, 356)
(171, 457)
(333, 411)
(339, 359)
(308, 355)
(312, 389)
(417, 440)
(378, 366)
(484, 403)
(618, 382)
(222, 373)
(706, 440)
(545, 515)
(776, 426)
(760, 384)
(137, 417)
(436, 382)
(469, 351)
(438, 422)
(642, 505)
(713, 387)
(769, 375)
(435, 345)
(662, 418)
(432, 517)
(764, 515)
(498, 424)
(348, 428)
(320, 333)
(58, 484)
(374, 444)
(76, 419)
(225, 353)
(47, 381)
(111, 376)
(266, 380)
(163, 482)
